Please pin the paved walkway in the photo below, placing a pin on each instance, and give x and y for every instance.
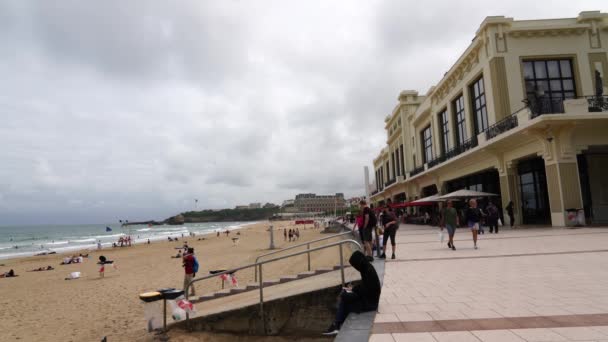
(520, 285)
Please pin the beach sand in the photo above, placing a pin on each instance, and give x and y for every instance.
(42, 306)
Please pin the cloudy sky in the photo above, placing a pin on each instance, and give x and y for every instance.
(132, 109)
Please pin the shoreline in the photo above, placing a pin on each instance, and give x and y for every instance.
(62, 251)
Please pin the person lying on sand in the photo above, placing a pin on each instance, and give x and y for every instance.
(39, 269)
(8, 274)
(179, 255)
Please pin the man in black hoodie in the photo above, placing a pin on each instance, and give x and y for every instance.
(362, 297)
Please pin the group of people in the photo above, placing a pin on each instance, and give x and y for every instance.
(292, 234)
(474, 218)
(385, 228)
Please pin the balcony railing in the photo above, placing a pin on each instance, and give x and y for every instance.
(390, 182)
(598, 103)
(374, 192)
(501, 126)
(436, 161)
(545, 105)
(416, 170)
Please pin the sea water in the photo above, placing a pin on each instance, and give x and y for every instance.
(19, 241)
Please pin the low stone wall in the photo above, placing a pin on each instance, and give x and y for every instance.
(307, 314)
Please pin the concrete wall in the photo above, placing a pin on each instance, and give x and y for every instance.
(307, 314)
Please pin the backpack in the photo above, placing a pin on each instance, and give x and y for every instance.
(195, 265)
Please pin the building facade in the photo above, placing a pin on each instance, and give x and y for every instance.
(319, 203)
(521, 114)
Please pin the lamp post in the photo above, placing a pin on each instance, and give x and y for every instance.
(271, 230)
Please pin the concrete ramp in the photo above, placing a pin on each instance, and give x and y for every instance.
(302, 307)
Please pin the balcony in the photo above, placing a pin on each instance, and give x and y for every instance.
(597, 103)
(416, 170)
(501, 126)
(545, 105)
(390, 182)
(375, 192)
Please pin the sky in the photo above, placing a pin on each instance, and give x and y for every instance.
(133, 109)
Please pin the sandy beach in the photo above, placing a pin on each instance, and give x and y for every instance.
(43, 306)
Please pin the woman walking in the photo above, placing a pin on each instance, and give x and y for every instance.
(390, 223)
(473, 218)
(449, 220)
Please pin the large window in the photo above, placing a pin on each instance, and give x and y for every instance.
(548, 83)
(479, 106)
(460, 120)
(402, 160)
(393, 162)
(444, 126)
(397, 162)
(427, 143)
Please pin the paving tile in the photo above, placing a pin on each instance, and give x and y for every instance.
(414, 316)
(381, 338)
(579, 333)
(391, 317)
(539, 335)
(481, 313)
(459, 325)
(447, 315)
(414, 337)
(429, 326)
(455, 336)
(421, 307)
(497, 336)
(603, 329)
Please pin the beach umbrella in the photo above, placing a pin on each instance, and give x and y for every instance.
(464, 193)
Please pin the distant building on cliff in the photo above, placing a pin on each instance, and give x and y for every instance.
(319, 203)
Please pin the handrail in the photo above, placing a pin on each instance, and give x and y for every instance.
(259, 264)
(296, 246)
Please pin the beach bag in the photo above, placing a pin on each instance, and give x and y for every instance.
(195, 265)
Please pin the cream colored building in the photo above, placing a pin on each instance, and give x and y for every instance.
(518, 114)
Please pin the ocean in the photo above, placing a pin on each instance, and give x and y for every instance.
(20, 241)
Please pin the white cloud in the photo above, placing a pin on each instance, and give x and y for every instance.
(133, 109)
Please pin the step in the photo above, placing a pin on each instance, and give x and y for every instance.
(222, 293)
(202, 298)
(287, 278)
(236, 290)
(323, 270)
(306, 274)
(271, 282)
(252, 286)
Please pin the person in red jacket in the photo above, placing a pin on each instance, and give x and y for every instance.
(189, 269)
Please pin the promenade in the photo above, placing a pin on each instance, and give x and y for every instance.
(531, 284)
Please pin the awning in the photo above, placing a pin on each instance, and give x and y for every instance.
(464, 193)
(432, 198)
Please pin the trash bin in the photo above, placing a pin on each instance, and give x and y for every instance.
(153, 310)
(580, 217)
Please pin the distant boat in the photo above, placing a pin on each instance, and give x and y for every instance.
(108, 229)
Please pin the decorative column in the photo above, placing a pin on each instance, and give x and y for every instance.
(563, 180)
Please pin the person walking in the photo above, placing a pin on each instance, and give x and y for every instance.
(190, 265)
(492, 219)
(473, 217)
(390, 224)
(284, 234)
(449, 220)
(510, 213)
(369, 224)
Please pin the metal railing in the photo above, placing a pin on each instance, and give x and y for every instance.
(259, 265)
(307, 244)
(502, 126)
(390, 182)
(416, 170)
(597, 103)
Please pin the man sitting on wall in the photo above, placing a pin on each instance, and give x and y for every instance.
(362, 297)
